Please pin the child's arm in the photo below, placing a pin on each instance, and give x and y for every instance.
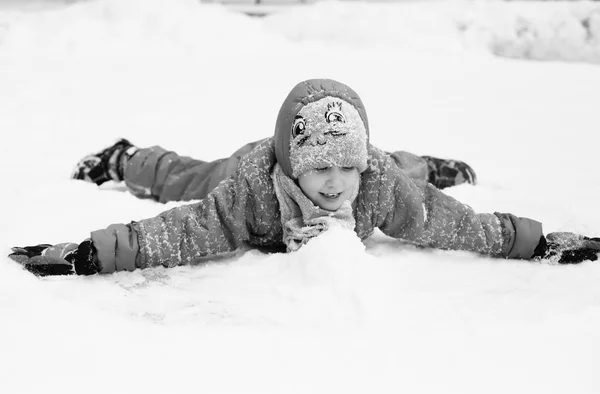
(242, 208)
(182, 235)
(178, 236)
(420, 213)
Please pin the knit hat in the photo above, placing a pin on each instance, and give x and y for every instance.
(321, 123)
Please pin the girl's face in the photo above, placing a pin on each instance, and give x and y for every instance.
(329, 187)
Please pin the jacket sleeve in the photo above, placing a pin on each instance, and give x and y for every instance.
(418, 212)
(182, 235)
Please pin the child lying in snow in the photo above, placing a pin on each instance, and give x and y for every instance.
(317, 169)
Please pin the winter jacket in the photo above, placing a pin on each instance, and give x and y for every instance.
(243, 210)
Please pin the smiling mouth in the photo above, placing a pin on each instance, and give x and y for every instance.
(331, 196)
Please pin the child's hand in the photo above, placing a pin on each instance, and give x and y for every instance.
(61, 259)
(567, 248)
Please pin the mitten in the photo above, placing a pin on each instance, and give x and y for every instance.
(567, 248)
(444, 173)
(106, 165)
(61, 259)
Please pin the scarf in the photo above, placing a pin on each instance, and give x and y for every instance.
(300, 218)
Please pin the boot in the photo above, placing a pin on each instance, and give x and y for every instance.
(445, 173)
(106, 165)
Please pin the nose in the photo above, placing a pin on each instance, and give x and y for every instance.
(334, 178)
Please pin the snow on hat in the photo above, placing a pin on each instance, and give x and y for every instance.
(321, 123)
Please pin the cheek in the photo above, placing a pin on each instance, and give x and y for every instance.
(309, 182)
(353, 178)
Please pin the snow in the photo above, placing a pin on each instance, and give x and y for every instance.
(338, 315)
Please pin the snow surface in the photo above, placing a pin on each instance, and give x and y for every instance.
(339, 315)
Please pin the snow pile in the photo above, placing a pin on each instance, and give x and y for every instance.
(544, 30)
(155, 26)
(554, 30)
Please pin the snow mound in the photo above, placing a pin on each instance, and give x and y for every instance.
(112, 27)
(540, 30)
(560, 30)
(543, 30)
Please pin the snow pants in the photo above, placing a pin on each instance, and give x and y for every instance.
(165, 176)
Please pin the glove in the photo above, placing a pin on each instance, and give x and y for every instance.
(61, 259)
(567, 248)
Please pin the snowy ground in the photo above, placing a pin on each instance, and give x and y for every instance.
(337, 316)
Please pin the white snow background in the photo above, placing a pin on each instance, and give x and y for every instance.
(339, 315)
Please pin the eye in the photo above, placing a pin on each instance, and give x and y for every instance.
(334, 116)
(348, 169)
(322, 169)
(298, 126)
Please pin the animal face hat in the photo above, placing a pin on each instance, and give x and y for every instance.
(321, 123)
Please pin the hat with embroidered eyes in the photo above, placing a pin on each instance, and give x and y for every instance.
(322, 123)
